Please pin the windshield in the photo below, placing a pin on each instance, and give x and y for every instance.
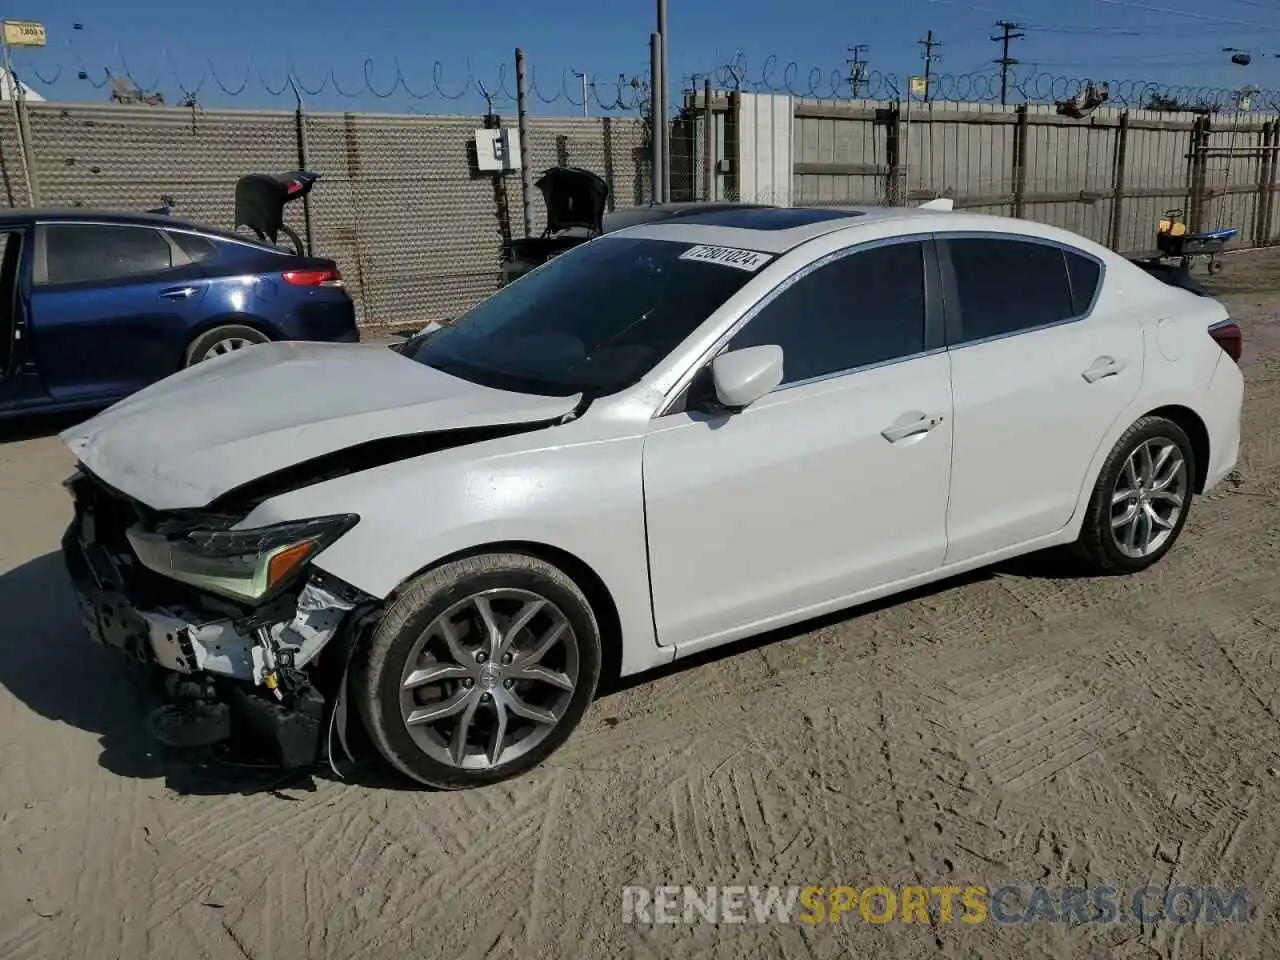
(593, 320)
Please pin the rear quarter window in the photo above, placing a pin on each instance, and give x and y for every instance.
(1085, 274)
(195, 246)
(1007, 285)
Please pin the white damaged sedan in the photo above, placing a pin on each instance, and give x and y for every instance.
(668, 438)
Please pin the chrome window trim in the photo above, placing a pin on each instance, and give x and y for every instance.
(215, 239)
(664, 409)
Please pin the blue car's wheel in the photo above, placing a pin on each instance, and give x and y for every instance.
(223, 340)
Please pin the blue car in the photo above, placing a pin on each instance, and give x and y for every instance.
(98, 306)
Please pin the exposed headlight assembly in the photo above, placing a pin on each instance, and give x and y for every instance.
(244, 565)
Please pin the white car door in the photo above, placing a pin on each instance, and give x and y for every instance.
(1039, 374)
(833, 484)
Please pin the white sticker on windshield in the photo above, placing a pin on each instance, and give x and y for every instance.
(748, 260)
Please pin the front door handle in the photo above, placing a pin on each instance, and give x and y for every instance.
(1103, 367)
(900, 431)
(178, 293)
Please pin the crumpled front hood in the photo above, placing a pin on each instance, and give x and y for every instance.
(214, 427)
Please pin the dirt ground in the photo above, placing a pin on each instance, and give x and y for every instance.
(1019, 727)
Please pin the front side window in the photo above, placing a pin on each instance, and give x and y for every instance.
(1006, 286)
(79, 253)
(863, 308)
(594, 320)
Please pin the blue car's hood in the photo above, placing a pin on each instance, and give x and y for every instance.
(198, 434)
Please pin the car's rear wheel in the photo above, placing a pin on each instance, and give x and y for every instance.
(479, 670)
(1142, 498)
(223, 340)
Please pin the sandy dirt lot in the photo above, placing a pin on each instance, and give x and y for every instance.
(1022, 727)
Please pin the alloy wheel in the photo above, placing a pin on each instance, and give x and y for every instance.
(1149, 497)
(227, 345)
(489, 678)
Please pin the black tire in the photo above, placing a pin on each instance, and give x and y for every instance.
(235, 334)
(380, 665)
(1097, 543)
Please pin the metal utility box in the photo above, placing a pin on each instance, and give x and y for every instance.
(497, 151)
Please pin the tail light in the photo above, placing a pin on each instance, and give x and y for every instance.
(314, 278)
(1227, 334)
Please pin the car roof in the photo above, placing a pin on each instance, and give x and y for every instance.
(780, 229)
(56, 214)
(122, 218)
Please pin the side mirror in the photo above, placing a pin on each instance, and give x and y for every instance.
(741, 377)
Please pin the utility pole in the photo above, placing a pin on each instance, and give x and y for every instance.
(664, 98)
(929, 57)
(857, 69)
(1007, 27)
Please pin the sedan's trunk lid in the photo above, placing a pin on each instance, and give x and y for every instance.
(221, 424)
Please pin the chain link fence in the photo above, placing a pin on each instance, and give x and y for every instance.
(401, 206)
(418, 229)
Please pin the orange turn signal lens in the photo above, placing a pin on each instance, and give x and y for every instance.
(284, 563)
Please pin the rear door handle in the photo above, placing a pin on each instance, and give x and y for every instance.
(1103, 367)
(900, 431)
(178, 293)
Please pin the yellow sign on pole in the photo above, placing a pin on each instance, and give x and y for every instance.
(918, 87)
(24, 33)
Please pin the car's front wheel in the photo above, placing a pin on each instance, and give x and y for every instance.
(1141, 499)
(479, 670)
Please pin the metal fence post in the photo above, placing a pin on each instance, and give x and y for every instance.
(522, 121)
(1020, 161)
(664, 101)
(1271, 182)
(1117, 181)
(890, 118)
(300, 125)
(708, 141)
(732, 149)
(23, 117)
(22, 129)
(1198, 163)
(655, 116)
(1264, 161)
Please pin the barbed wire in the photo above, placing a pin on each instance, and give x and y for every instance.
(626, 94)
(1026, 83)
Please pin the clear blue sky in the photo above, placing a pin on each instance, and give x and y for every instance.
(1167, 41)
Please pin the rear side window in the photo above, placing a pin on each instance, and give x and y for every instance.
(196, 247)
(1006, 286)
(864, 308)
(1085, 272)
(79, 253)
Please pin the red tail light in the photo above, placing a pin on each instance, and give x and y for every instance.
(1227, 334)
(314, 278)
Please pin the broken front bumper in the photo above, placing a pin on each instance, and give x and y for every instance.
(225, 670)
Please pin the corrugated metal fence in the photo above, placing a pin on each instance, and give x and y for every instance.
(1109, 176)
(414, 226)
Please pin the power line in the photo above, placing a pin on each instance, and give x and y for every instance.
(1007, 28)
(1203, 21)
(857, 69)
(1171, 12)
(929, 57)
